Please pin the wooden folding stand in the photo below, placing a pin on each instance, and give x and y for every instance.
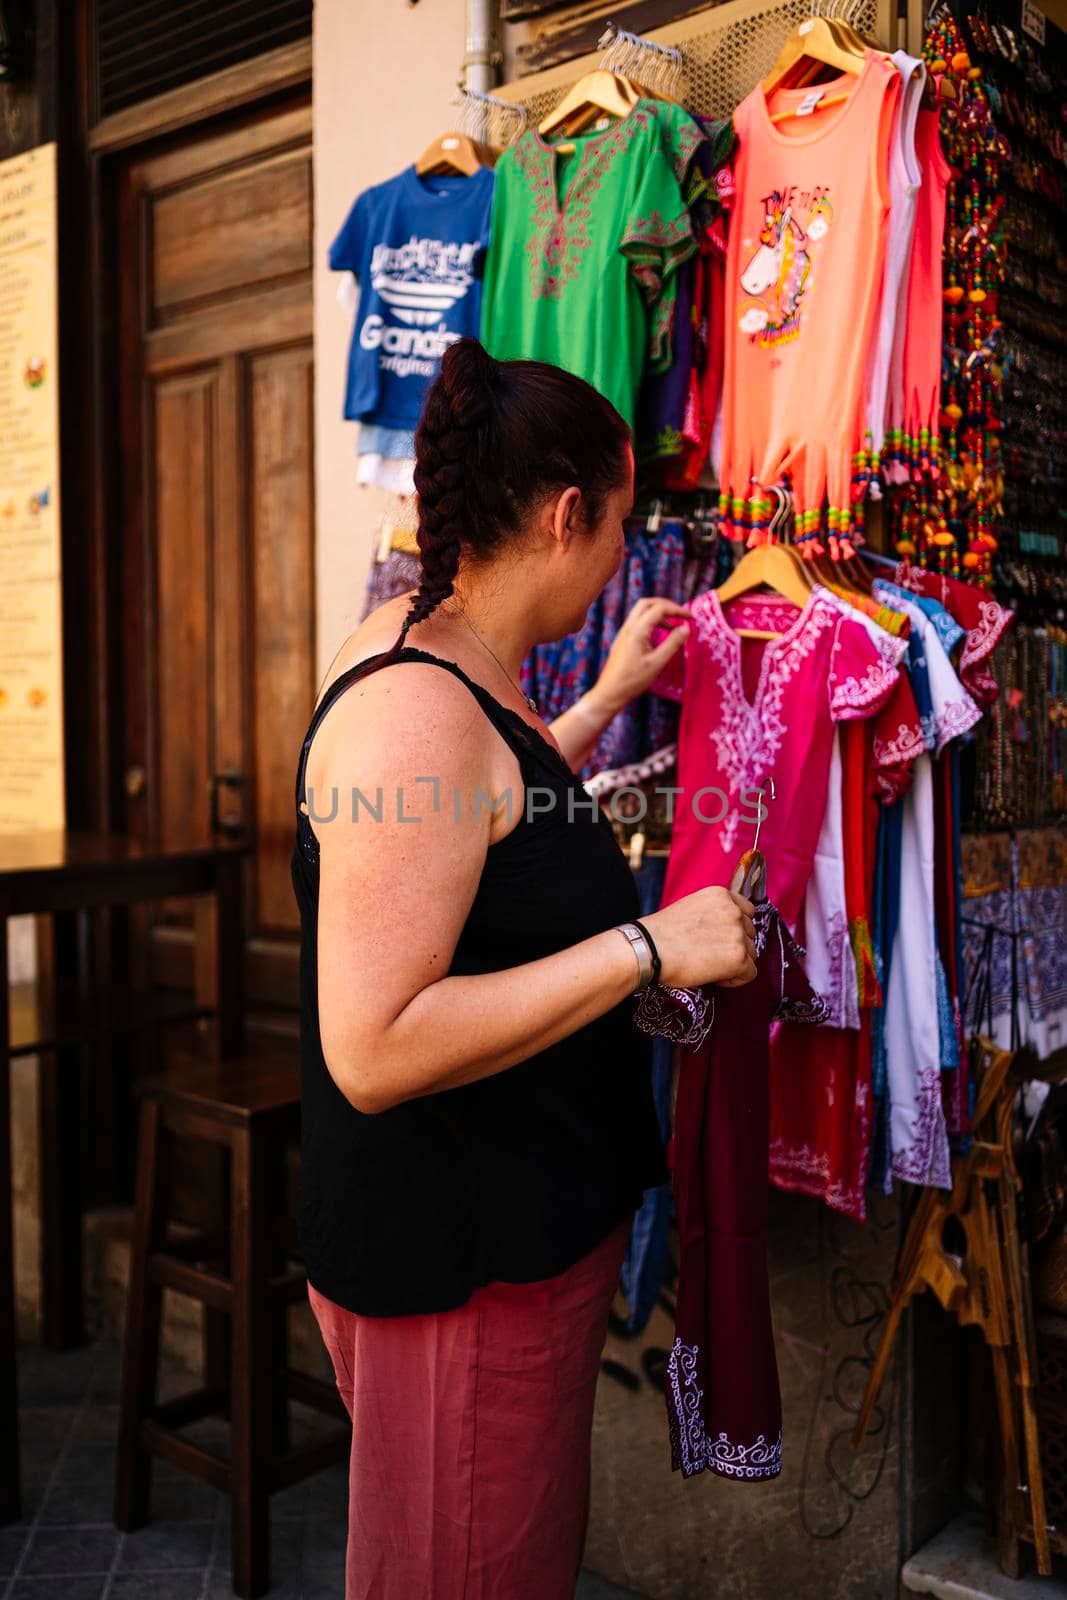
(988, 1287)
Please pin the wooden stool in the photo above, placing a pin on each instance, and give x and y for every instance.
(249, 1106)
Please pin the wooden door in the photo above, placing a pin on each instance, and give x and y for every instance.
(214, 252)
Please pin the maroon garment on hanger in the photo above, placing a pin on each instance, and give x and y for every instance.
(723, 1401)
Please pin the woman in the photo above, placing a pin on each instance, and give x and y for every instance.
(478, 1125)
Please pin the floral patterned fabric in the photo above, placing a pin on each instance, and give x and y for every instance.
(556, 675)
(1015, 936)
(397, 574)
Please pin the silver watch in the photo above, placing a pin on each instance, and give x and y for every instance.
(639, 945)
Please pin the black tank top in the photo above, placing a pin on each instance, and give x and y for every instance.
(516, 1177)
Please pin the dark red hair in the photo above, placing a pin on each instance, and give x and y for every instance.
(497, 438)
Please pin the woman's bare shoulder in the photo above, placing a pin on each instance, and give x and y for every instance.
(373, 635)
(404, 712)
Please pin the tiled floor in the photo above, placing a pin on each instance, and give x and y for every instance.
(67, 1548)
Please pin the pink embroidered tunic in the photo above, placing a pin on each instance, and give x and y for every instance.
(753, 711)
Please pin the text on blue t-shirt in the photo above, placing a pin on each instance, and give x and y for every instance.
(417, 246)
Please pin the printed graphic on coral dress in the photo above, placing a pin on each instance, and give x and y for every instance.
(780, 268)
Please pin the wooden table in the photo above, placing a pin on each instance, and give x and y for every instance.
(71, 874)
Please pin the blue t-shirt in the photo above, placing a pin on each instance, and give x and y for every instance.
(417, 246)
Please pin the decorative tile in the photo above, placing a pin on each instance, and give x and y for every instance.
(86, 1501)
(323, 1495)
(47, 1378)
(45, 1589)
(35, 1478)
(73, 1552)
(42, 1432)
(83, 1459)
(106, 1379)
(12, 1544)
(167, 1547)
(96, 1422)
(325, 1542)
(157, 1586)
(188, 1500)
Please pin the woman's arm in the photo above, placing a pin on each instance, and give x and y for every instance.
(394, 895)
(633, 663)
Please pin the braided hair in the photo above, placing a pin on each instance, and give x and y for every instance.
(450, 445)
(495, 439)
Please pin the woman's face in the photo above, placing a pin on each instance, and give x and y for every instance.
(586, 557)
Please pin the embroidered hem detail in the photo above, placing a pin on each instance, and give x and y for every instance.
(693, 1448)
(926, 1159)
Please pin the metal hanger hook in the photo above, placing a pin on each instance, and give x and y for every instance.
(762, 812)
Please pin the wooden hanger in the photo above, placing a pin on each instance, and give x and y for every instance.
(775, 565)
(854, 575)
(810, 70)
(455, 152)
(847, 573)
(814, 40)
(599, 93)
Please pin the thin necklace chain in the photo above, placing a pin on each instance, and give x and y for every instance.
(459, 612)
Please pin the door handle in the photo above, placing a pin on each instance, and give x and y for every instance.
(231, 825)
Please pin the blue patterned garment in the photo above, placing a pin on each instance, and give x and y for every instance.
(946, 1023)
(919, 677)
(397, 574)
(1028, 952)
(948, 629)
(663, 396)
(558, 674)
(885, 920)
(957, 869)
(392, 444)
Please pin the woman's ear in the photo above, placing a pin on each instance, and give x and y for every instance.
(565, 516)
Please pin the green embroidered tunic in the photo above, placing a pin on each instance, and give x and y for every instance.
(583, 249)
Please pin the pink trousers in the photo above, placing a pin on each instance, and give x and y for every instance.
(471, 1434)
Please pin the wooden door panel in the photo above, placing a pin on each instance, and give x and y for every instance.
(182, 522)
(280, 404)
(216, 341)
(227, 232)
(266, 318)
(230, 744)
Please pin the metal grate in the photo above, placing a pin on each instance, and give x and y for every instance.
(145, 47)
(726, 50)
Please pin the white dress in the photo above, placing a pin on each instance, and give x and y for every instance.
(918, 1133)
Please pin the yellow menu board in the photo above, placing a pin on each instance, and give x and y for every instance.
(31, 640)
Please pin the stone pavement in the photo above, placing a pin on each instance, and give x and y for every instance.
(67, 1548)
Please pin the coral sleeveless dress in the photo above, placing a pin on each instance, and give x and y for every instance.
(921, 374)
(803, 277)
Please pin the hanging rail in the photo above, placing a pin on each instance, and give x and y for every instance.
(476, 114)
(659, 66)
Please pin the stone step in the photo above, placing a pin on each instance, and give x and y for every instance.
(960, 1563)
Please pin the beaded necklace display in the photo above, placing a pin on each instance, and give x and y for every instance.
(955, 490)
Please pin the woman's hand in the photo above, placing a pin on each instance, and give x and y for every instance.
(633, 662)
(707, 937)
